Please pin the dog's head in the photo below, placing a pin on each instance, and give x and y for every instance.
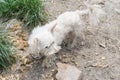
(42, 41)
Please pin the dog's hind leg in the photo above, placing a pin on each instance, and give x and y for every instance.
(66, 44)
(74, 43)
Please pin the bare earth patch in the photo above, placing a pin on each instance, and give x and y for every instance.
(97, 55)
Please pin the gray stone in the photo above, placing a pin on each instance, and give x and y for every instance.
(68, 72)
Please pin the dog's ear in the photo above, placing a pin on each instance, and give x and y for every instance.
(36, 41)
(52, 26)
(52, 29)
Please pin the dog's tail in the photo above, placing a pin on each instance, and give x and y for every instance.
(96, 14)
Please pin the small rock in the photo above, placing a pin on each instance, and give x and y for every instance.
(117, 10)
(102, 58)
(103, 45)
(96, 54)
(100, 64)
(68, 72)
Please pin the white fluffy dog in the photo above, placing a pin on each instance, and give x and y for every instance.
(48, 38)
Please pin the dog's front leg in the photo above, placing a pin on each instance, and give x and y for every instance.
(55, 48)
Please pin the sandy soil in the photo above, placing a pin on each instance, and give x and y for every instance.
(97, 55)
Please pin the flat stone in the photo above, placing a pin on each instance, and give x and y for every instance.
(68, 72)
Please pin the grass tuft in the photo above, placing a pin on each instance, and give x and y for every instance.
(6, 51)
(31, 12)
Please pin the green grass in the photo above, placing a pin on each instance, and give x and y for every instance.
(31, 12)
(6, 51)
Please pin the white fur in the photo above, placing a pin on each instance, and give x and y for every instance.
(42, 41)
(48, 38)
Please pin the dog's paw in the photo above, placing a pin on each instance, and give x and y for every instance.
(58, 48)
(49, 61)
(54, 50)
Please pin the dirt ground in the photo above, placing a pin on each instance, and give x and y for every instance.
(97, 55)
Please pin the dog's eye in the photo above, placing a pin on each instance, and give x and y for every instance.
(46, 47)
(49, 45)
